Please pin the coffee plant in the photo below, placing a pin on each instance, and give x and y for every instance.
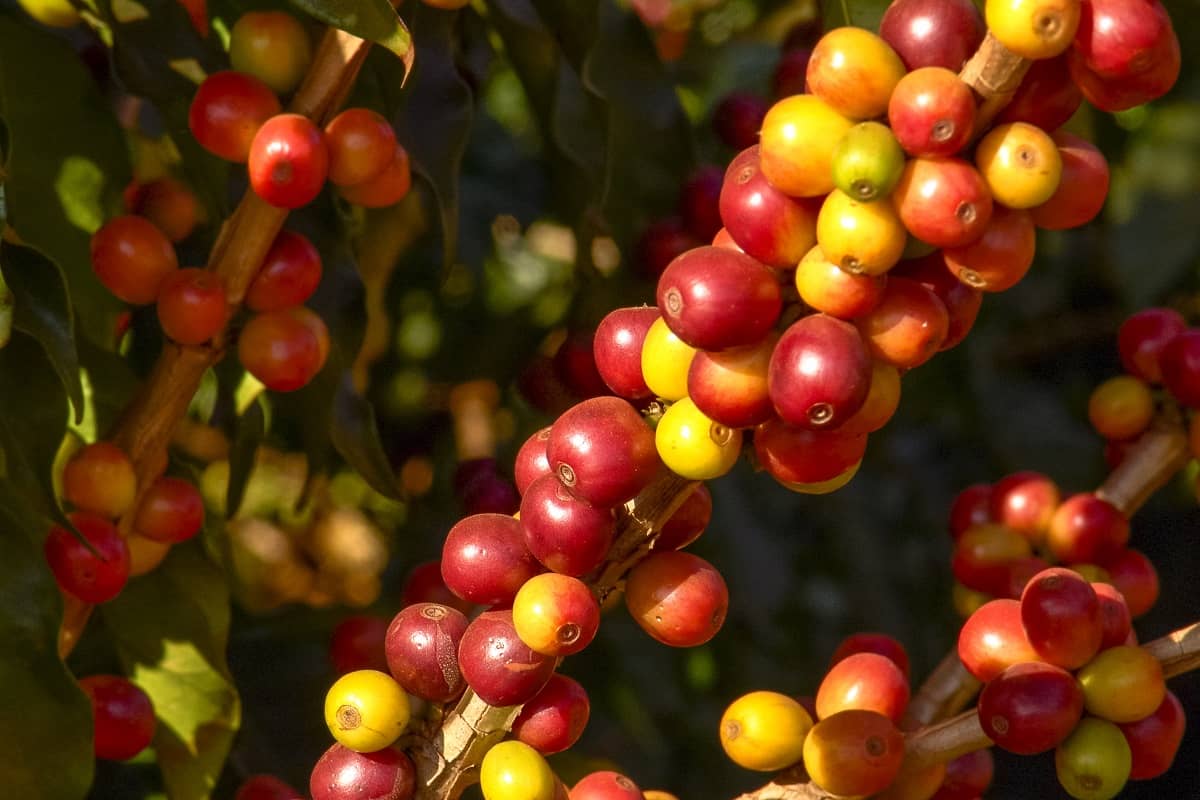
(393, 354)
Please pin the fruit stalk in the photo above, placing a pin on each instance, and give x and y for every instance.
(147, 424)
(947, 689)
(994, 73)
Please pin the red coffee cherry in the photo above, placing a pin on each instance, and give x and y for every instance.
(566, 534)
(100, 479)
(678, 598)
(932, 112)
(94, 577)
(122, 716)
(605, 785)
(361, 145)
(1025, 501)
(831, 290)
(1061, 615)
(284, 349)
(1001, 257)
(1082, 189)
(970, 508)
(688, 522)
(983, 554)
(387, 188)
(358, 643)
(1179, 361)
(661, 243)
(1115, 619)
(227, 111)
(1135, 577)
(555, 718)
(943, 202)
(714, 298)
(1087, 530)
(1154, 740)
(532, 462)
(962, 302)
(908, 327)
(497, 665)
(485, 560)
(603, 451)
(1047, 97)
(864, 681)
(171, 511)
(342, 774)
(191, 305)
(878, 643)
(1029, 708)
(819, 373)
(617, 350)
(575, 364)
(266, 787)
(422, 651)
(738, 117)
(925, 33)
(288, 161)
(993, 639)
(288, 276)
(967, 777)
(795, 455)
(730, 387)
(1142, 337)
(131, 257)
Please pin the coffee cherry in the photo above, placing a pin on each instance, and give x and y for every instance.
(93, 575)
(796, 145)
(361, 144)
(1093, 763)
(531, 462)
(1120, 93)
(943, 202)
(737, 119)
(498, 666)
(424, 584)
(272, 46)
(688, 522)
(926, 33)
(962, 302)
(1115, 618)
(1122, 684)
(168, 203)
(617, 350)
(819, 373)
(908, 326)
(288, 276)
(556, 615)
(288, 161)
(227, 111)
(832, 290)
(795, 455)
(1179, 361)
(555, 718)
(1087, 529)
(605, 785)
(122, 717)
(967, 777)
(565, 533)
(970, 507)
(1120, 39)
(867, 162)
(1142, 337)
(714, 298)
(132, 257)
(358, 643)
(678, 598)
(1061, 615)
(100, 479)
(1030, 708)
(1081, 191)
(1121, 407)
(765, 223)
(191, 305)
(172, 510)
(1135, 578)
(1026, 502)
(666, 360)
(932, 112)
(513, 770)
(854, 72)
(694, 446)
(860, 237)
(1046, 97)
(866, 681)
(485, 560)
(983, 554)
(877, 643)
(764, 731)
(1154, 740)
(1020, 163)
(366, 710)
(421, 649)
(993, 639)
(266, 787)
(385, 189)
(1033, 29)
(284, 349)
(602, 451)
(998, 259)
(730, 386)
(854, 752)
(342, 774)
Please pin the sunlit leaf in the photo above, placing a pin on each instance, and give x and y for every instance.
(375, 20)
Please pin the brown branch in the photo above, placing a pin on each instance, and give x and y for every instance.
(994, 73)
(947, 690)
(1157, 456)
(147, 424)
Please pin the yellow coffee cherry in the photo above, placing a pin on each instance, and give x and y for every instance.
(1033, 28)
(861, 238)
(666, 360)
(693, 446)
(1020, 164)
(272, 46)
(513, 770)
(1122, 684)
(1121, 407)
(366, 710)
(765, 731)
(796, 145)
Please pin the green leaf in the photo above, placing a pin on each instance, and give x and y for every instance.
(355, 436)
(251, 427)
(43, 310)
(46, 723)
(67, 161)
(375, 20)
(171, 629)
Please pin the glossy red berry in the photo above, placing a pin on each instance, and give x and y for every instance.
(925, 33)
(497, 665)
(1087, 530)
(1061, 615)
(1047, 97)
(688, 521)
(288, 161)
(1000, 257)
(943, 202)
(284, 349)
(341, 774)
(1115, 619)
(532, 462)
(1082, 189)
(698, 202)
(1180, 364)
(555, 718)
(878, 643)
(1025, 501)
(424, 584)
(1029, 708)
(485, 560)
(932, 112)
(132, 257)
(993, 639)
(361, 145)
(93, 575)
(1135, 578)
(602, 451)
(617, 350)
(565, 533)
(867, 681)
(191, 305)
(122, 716)
(1142, 337)
(1154, 740)
(172, 510)
(421, 646)
(765, 223)
(678, 598)
(820, 372)
(661, 243)
(387, 188)
(970, 508)
(962, 302)
(605, 785)
(358, 643)
(288, 276)
(795, 455)
(227, 111)
(731, 387)
(967, 777)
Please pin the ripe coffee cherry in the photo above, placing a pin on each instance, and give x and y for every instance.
(556, 615)
(361, 145)
(272, 46)
(678, 598)
(1020, 164)
(513, 770)
(694, 446)
(168, 203)
(421, 648)
(531, 462)
(1122, 684)
(555, 718)
(1029, 708)
(366, 710)
(967, 777)
(385, 189)
(819, 373)
(993, 639)
(661, 243)
(767, 224)
(602, 451)
(688, 521)
(933, 33)
(358, 643)
(666, 360)
(131, 257)
(943, 202)
(1033, 29)
(1135, 578)
(730, 386)
(566, 534)
(100, 479)
(424, 584)
(962, 302)
(970, 508)
(605, 785)
(866, 681)
(1081, 191)
(854, 752)
(227, 111)
(796, 145)
(341, 773)
(983, 554)
(1061, 615)
(860, 237)
(284, 349)
(877, 643)
(1087, 529)
(867, 162)
(266, 787)
(171, 511)
(1020, 572)
(1121, 407)
(122, 716)
(1001, 257)
(498, 666)
(1047, 97)
(714, 298)
(617, 350)
(288, 276)
(854, 71)
(485, 560)
(288, 161)
(908, 326)
(832, 290)
(1093, 763)
(1179, 361)
(1142, 337)
(738, 118)
(93, 577)
(1122, 38)
(191, 305)
(795, 455)
(1154, 740)
(764, 731)
(932, 112)
(1025, 501)
(1115, 619)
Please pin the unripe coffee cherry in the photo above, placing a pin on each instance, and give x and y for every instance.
(366, 710)
(100, 479)
(272, 46)
(556, 615)
(764, 731)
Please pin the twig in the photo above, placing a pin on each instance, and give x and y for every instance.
(947, 689)
(1156, 457)
(994, 73)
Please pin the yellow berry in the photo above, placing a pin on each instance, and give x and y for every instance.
(666, 360)
(765, 731)
(366, 710)
(513, 770)
(693, 446)
(1020, 164)
(1033, 28)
